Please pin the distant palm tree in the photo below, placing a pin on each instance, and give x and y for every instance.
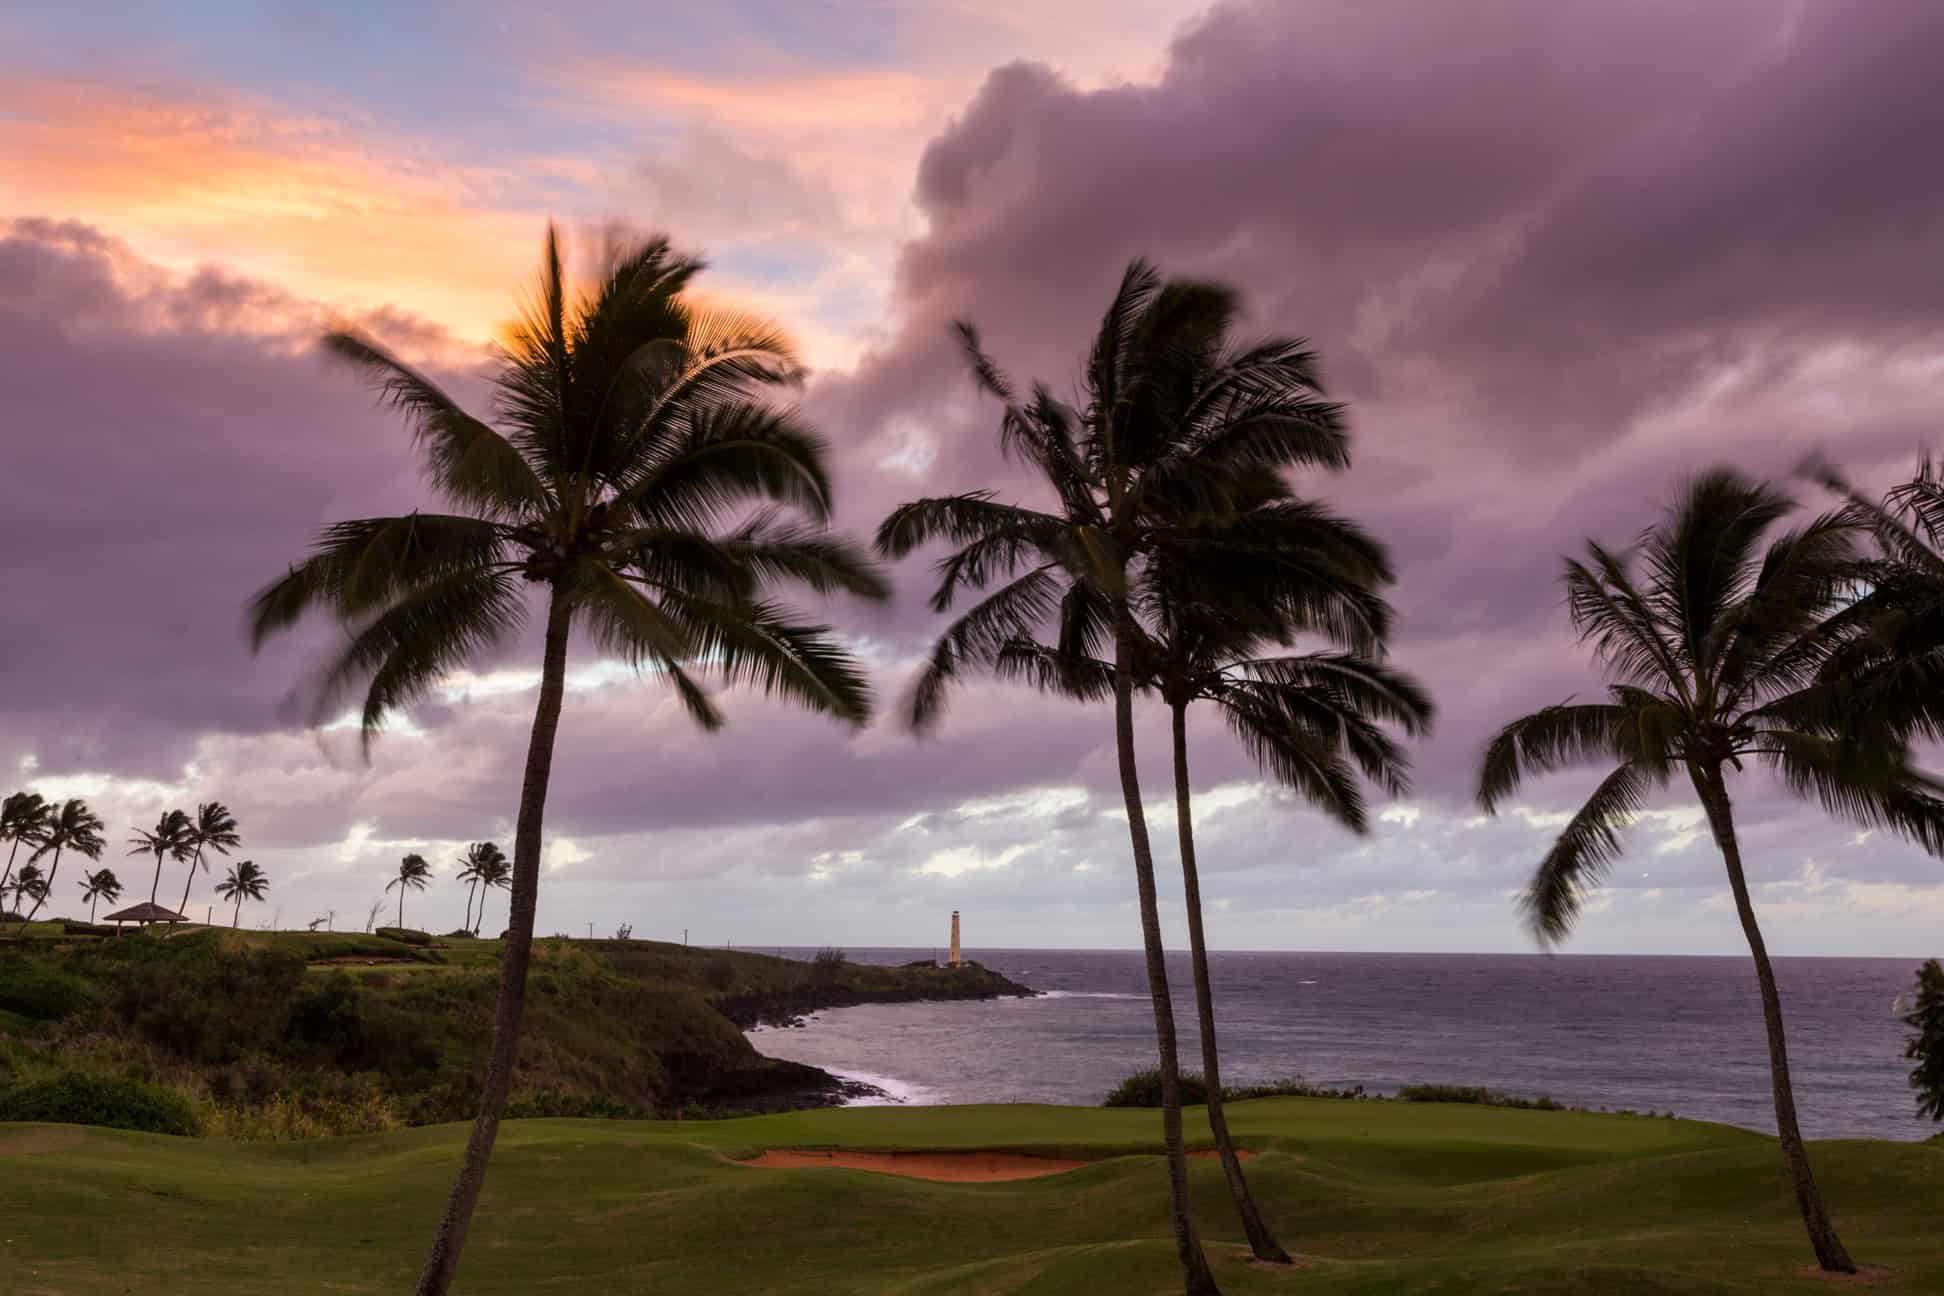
(23, 818)
(474, 864)
(28, 884)
(71, 827)
(247, 882)
(495, 871)
(632, 491)
(170, 839)
(1122, 471)
(413, 874)
(1714, 658)
(213, 828)
(101, 884)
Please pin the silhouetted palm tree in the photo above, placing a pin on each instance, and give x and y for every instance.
(494, 872)
(102, 884)
(28, 884)
(477, 860)
(637, 441)
(71, 827)
(247, 882)
(213, 828)
(413, 874)
(1122, 471)
(169, 839)
(1713, 659)
(23, 818)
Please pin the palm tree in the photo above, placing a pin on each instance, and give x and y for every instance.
(102, 884)
(247, 882)
(214, 827)
(170, 838)
(477, 860)
(1123, 471)
(28, 884)
(23, 818)
(1713, 658)
(636, 486)
(413, 874)
(71, 827)
(494, 871)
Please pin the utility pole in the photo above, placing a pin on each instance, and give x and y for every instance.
(590, 931)
(684, 938)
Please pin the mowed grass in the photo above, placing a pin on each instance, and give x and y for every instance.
(1375, 1197)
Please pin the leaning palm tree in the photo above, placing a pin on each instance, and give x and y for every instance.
(494, 872)
(71, 827)
(247, 882)
(639, 484)
(169, 839)
(1713, 654)
(474, 864)
(1123, 473)
(102, 884)
(213, 828)
(23, 818)
(413, 874)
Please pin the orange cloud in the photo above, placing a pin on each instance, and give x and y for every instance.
(307, 202)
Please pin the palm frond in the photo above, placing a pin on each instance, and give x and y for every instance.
(977, 637)
(1551, 738)
(1583, 852)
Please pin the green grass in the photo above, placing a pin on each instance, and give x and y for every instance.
(1391, 1199)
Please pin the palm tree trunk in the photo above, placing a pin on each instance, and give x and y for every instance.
(1815, 1215)
(237, 919)
(53, 871)
(401, 904)
(447, 1243)
(1261, 1241)
(93, 901)
(156, 885)
(471, 888)
(1197, 1278)
(195, 862)
(8, 876)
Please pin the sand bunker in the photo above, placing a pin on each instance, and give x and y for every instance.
(945, 1167)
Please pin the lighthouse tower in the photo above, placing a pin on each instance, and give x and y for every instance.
(956, 960)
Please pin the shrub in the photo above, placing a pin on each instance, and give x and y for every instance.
(79, 1099)
(1474, 1094)
(1926, 1047)
(406, 935)
(721, 974)
(459, 934)
(38, 992)
(75, 927)
(1143, 1089)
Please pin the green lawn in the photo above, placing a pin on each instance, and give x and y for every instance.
(1385, 1198)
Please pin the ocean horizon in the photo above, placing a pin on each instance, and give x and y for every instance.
(1677, 1033)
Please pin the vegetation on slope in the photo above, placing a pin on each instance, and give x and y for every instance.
(295, 1034)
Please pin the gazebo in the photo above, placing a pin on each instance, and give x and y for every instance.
(144, 913)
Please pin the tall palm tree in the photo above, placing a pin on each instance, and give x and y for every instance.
(169, 839)
(495, 871)
(1123, 473)
(23, 818)
(638, 484)
(475, 863)
(213, 828)
(413, 874)
(102, 884)
(71, 827)
(247, 882)
(1713, 653)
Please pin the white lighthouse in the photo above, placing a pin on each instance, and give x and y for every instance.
(956, 960)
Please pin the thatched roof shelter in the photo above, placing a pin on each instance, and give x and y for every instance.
(145, 913)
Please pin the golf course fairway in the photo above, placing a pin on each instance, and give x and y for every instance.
(1372, 1197)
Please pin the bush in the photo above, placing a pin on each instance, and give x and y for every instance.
(75, 927)
(406, 934)
(1143, 1089)
(38, 992)
(79, 1099)
(1474, 1094)
(459, 934)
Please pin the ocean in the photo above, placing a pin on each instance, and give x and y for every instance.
(1643, 1033)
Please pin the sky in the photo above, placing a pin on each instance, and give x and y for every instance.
(1557, 256)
